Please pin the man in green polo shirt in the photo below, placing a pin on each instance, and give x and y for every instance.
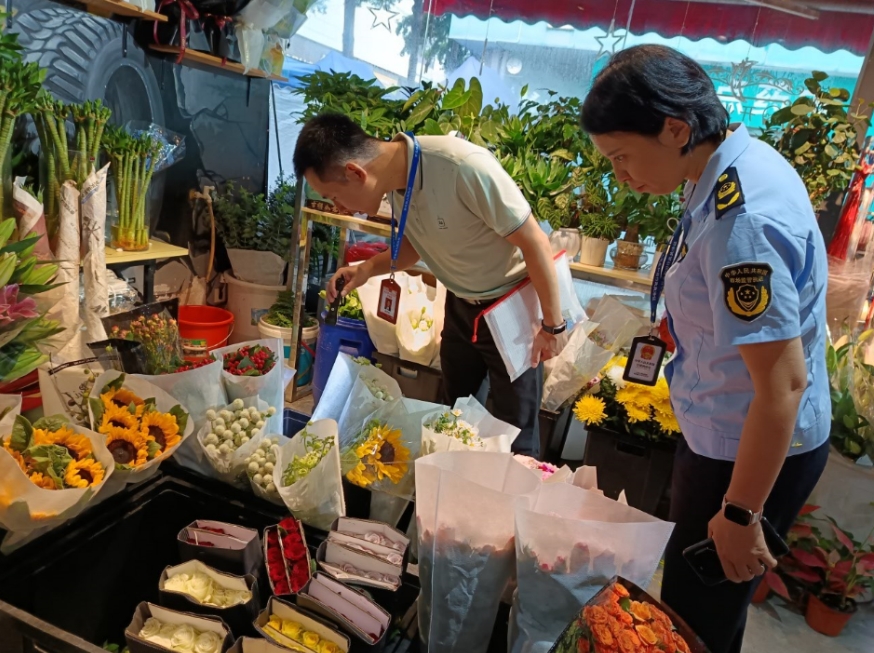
(470, 224)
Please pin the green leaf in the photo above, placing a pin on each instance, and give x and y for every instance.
(432, 128)
(625, 604)
(115, 384)
(803, 148)
(51, 423)
(474, 104)
(96, 405)
(422, 110)
(524, 91)
(20, 245)
(453, 99)
(153, 449)
(22, 434)
(7, 227)
(489, 131)
(801, 108)
(181, 417)
(819, 76)
(150, 405)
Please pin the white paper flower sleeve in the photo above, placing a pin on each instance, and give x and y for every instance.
(372, 390)
(230, 467)
(317, 499)
(416, 333)
(577, 364)
(491, 433)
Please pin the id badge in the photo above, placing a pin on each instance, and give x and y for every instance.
(389, 298)
(645, 360)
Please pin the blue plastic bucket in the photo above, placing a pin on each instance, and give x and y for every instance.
(347, 336)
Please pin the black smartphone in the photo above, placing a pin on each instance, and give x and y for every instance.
(334, 308)
(705, 561)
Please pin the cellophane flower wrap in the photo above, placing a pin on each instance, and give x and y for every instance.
(380, 456)
(622, 617)
(262, 379)
(569, 543)
(465, 513)
(142, 425)
(308, 477)
(49, 472)
(467, 427)
(230, 435)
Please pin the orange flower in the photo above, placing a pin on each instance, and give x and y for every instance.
(682, 646)
(646, 634)
(620, 591)
(629, 642)
(602, 634)
(596, 615)
(615, 610)
(583, 645)
(641, 611)
(600, 648)
(661, 617)
(616, 627)
(661, 631)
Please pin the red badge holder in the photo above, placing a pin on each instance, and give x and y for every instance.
(389, 299)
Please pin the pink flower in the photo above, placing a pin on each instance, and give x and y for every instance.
(11, 309)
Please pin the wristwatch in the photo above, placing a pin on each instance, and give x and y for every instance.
(738, 515)
(554, 331)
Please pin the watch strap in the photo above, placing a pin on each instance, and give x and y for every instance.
(556, 330)
(740, 515)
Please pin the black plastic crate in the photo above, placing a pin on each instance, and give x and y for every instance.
(416, 381)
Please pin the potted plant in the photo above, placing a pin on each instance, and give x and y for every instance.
(278, 323)
(832, 568)
(598, 230)
(657, 219)
(852, 395)
(629, 208)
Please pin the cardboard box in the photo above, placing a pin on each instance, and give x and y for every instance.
(336, 555)
(164, 615)
(236, 551)
(255, 645)
(349, 608)
(238, 617)
(309, 622)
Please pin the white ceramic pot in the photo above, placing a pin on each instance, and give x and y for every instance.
(593, 251)
(565, 239)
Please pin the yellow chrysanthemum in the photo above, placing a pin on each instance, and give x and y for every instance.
(660, 392)
(667, 421)
(380, 456)
(122, 398)
(162, 428)
(84, 473)
(117, 417)
(15, 455)
(629, 395)
(45, 482)
(590, 410)
(127, 447)
(78, 446)
(636, 413)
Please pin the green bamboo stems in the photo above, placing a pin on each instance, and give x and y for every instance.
(90, 120)
(19, 87)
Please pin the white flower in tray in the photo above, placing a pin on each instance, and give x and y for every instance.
(259, 466)
(378, 390)
(450, 423)
(231, 429)
(421, 321)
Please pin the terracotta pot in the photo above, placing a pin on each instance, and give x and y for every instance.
(762, 592)
(593, 251)
(824, 619)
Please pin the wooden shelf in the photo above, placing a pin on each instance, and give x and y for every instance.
(204, 59)
(640, 280)
(121, 8)
(349, 222)
(157, 251)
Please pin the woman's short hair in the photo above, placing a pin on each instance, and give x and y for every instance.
(643, 85)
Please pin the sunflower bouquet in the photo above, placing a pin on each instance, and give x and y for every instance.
(467, 427)
(142, 425)
(307, 475)
(619, 405)
(49, 469)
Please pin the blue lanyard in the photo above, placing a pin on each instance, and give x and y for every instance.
(397, 227)
(667, 260)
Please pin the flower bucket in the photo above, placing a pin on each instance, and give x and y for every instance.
(308, 338)
(593, 251)
(249, 302)
(203, 328)
(823, 619)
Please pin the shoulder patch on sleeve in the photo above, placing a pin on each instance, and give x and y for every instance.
(747, 289)
(729, 193)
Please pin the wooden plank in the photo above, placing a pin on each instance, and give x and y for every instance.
(206, 59)
(157, 251)
(640, 279)
(349, 222)
(121, 8)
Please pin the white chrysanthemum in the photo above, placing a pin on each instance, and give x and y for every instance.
(615, 375)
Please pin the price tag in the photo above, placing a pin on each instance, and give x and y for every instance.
(389, 299)
(645, 360)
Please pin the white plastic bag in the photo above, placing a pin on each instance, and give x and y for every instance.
(382, 333)
(416, 328)
(577, 364)
(144, 390)
(569, 543)
(465, 511)
(317, 499)
(264, 14)
(372, 390)
(270, 387)
(490, 433)
(251, 41)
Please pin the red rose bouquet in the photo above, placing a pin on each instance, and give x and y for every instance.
(275, 562)
(249, 360)
(295, 552)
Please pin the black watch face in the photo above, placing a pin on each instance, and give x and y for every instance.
(737, 515)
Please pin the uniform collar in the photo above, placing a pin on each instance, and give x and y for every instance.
(420, 173)
(726, 154)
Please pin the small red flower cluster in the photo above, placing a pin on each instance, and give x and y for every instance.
(250, 361)
(191, 540)
(193, 365)
(295, 550)
(276, 564)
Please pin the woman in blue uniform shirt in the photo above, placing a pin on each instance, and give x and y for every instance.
(745, 298)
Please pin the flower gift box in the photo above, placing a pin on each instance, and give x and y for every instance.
(622, 617)
(348, 530)
(287, 557)
(255, 645)
(354, 612)
(179, 631)
(297, 630)
(355, 567)
(199, 597)
(227, 547)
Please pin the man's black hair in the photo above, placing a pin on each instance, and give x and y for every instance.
(329, 141)
(645, 84)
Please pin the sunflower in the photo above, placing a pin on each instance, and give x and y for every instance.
(122, 398)
(78, 446)
(45, 482)
(590, 410)
(127, 447)
(83, 473)
(380, 456)
(15, 455)
(117, 417)
(162, 428)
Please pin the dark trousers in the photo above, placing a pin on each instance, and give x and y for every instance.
(719, 614)
(465, 365)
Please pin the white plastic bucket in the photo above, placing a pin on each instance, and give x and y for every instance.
(308, 336)
(249, 302)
